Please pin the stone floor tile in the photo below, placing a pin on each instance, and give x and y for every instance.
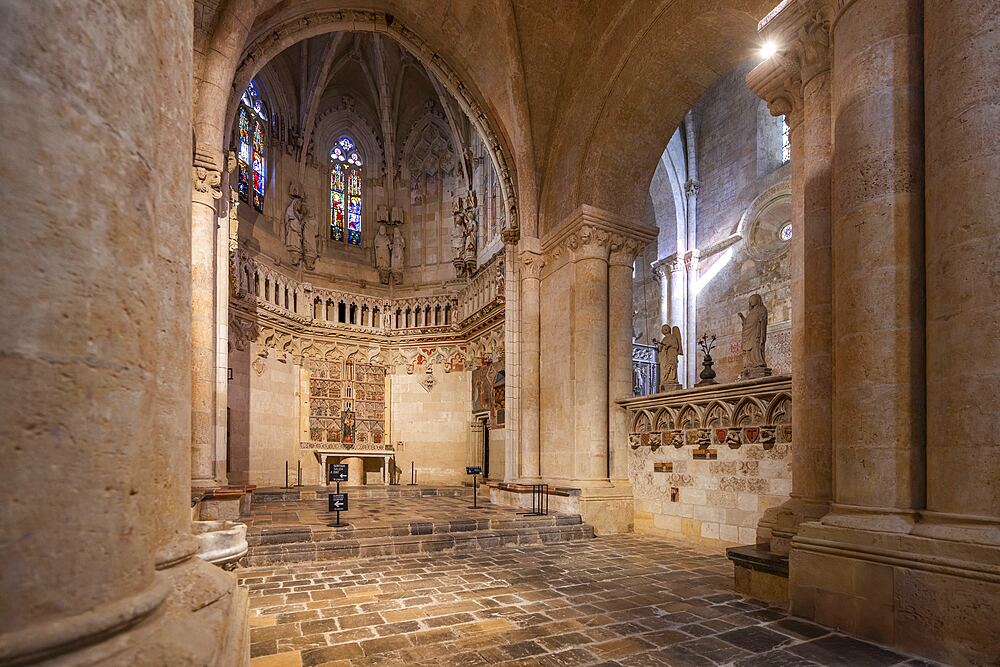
(756, 639)
(841, 651)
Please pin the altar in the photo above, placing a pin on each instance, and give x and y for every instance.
(327, 453)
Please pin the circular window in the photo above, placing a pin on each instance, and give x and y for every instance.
(767, 225)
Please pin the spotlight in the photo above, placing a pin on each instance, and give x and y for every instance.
(768, 50)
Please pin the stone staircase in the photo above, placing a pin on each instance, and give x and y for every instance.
(461, 531)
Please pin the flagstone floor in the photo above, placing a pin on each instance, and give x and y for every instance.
(623, 600)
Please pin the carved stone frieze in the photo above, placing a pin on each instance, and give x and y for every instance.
(732, 415)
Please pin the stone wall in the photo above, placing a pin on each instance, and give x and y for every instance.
(433, 424)
(265, 417)
(706, 463)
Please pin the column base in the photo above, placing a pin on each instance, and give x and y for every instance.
(933, 597)
(786, 519)
(193, 614)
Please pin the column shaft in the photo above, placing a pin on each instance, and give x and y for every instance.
(590, 356)
(878, 249)
(531, 268)
(203, 337)
(962, 78)
(619, 353)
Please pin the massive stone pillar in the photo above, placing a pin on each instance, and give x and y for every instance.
(796, 84)
(962, 74)
(620, 263)
(531, 272)
(585, 317)
(95, 431)
(878, 249)
(206, 193)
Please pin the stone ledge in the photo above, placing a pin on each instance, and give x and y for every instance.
(760, 558)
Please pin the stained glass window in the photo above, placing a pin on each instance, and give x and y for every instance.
(252, 135)
(786, 141)
(345, 191)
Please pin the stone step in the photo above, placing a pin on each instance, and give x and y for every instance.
(320, 492)
(462, 540)
(266, 535)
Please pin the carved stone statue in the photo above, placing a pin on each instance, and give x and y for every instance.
(383, 247)
(671, 347)
(310, 232)
(293, 226)
(458, 237)
(397, 258)
(754, 339)
(471, 220)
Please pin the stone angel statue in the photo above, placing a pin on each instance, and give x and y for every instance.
(671, 347)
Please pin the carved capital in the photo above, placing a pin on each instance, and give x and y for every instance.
(206, 175)
(813, 45)
(589, 242)
(532, 264)
(624, 250)
(691, 187)
(510, 235)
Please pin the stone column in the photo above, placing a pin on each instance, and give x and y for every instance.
(690, 326)
(962, 79)
(512, 353)
(621, 260)
(355, 470)
(796, 84)
(94, 430)
(878, 271)
(590, 248)
(531, 273)
(204, 230)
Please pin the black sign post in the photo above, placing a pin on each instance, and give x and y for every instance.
(475, 471)
(338, 501)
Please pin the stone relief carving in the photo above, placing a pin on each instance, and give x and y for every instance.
(754, 338)
(241, 332)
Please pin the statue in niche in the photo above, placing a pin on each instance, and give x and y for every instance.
(293, 225)
(383, 248)
(754, 338)
(463, 235)
(458, 237)
(671, 348)
(310, 230)
(397, 257)
(471, 219)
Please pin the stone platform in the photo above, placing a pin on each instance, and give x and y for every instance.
(293, 525)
